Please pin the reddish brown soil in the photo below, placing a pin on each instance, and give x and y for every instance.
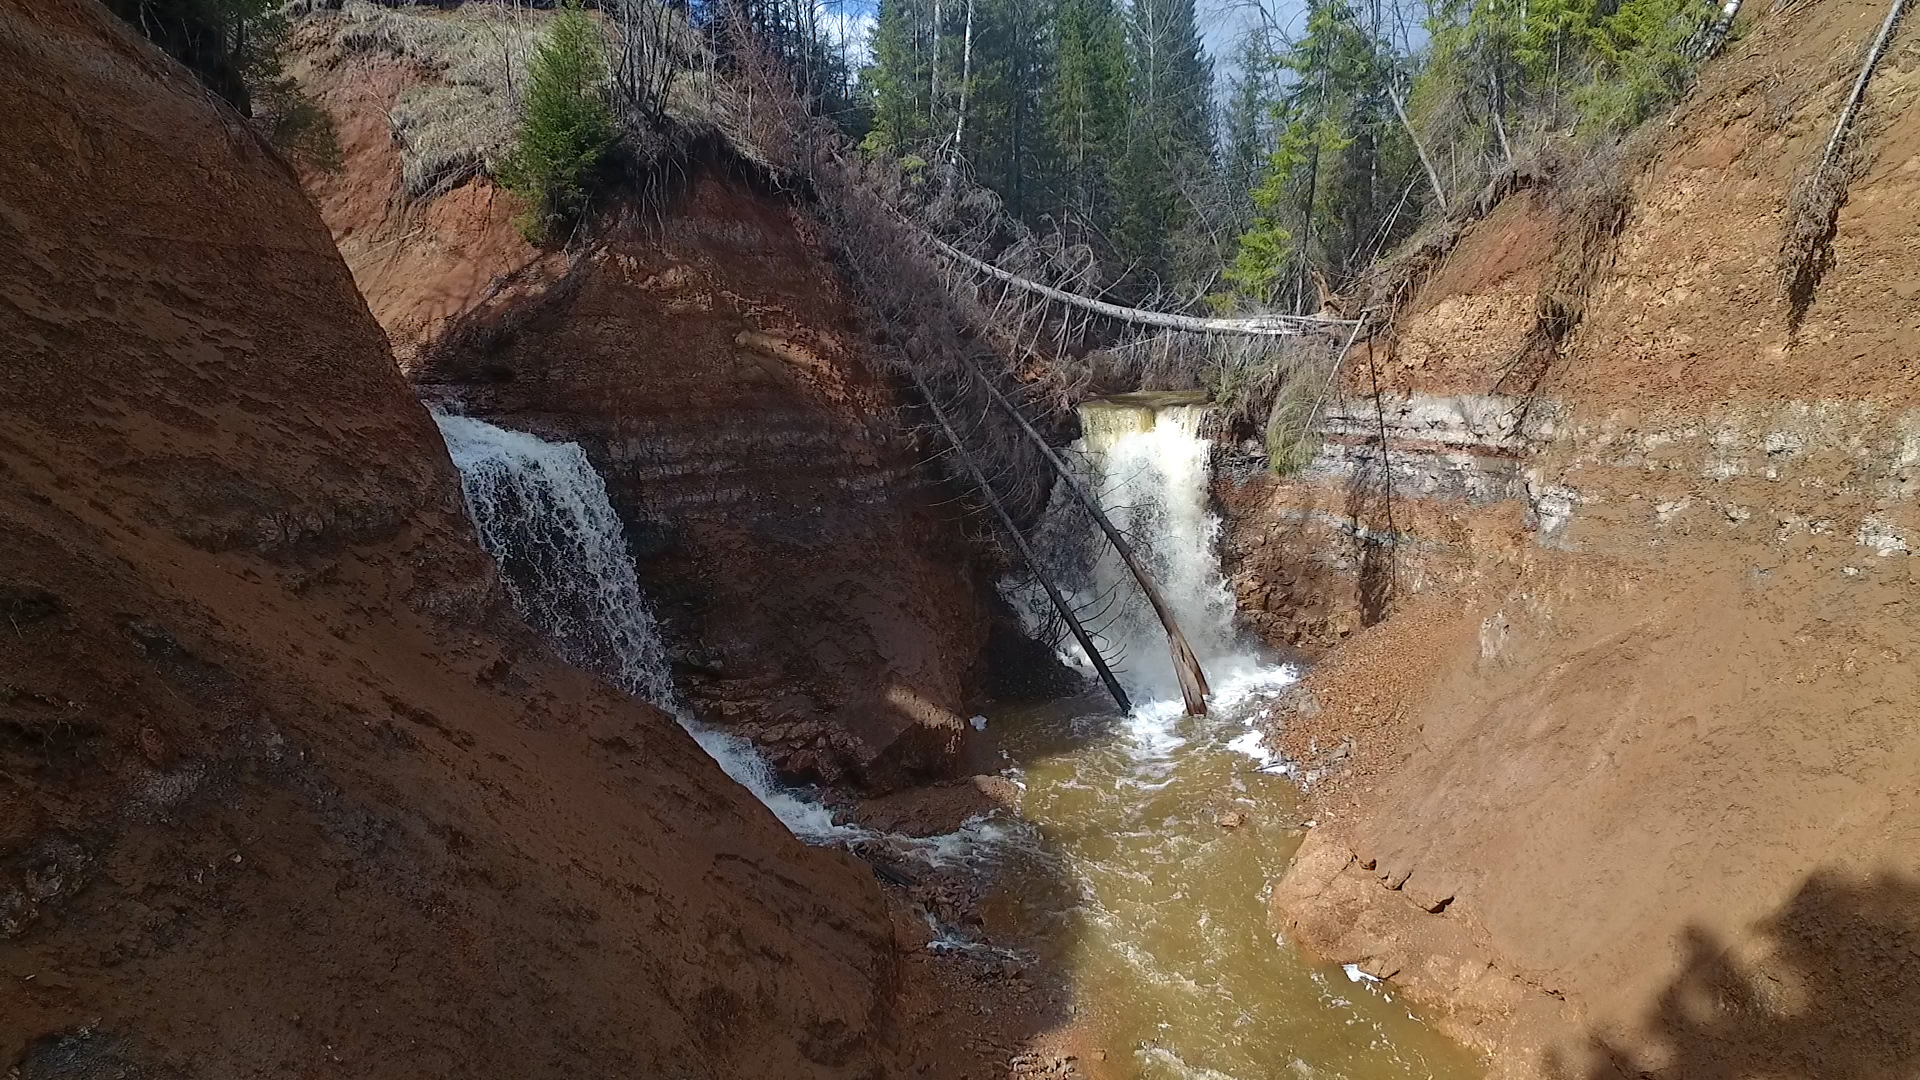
(1634, 800)
(419, 263)
(284, 789)
(826, 604)
(1693, 312)
(1469, 320)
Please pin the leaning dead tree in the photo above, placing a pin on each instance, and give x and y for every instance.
(938, 309)
(1020, 545)
(1023, 310)
(1813, 205)
(1193, 680)
(943, 311)
(1872, 60)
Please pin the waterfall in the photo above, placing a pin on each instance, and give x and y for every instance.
(1144, 457)
(542, 512)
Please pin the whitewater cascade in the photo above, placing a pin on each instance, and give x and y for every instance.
(1146, 461)
(542, 512)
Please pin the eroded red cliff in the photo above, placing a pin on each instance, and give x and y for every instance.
(284, 788)
(1613, 764)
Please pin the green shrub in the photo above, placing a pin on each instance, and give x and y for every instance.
(1291, 439)
(1643, 62)
(566, 127)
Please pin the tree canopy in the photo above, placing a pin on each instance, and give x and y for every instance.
(1326, 143)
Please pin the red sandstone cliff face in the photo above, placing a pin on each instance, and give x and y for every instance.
(817, 596)
(1622, 779)
(283, 788)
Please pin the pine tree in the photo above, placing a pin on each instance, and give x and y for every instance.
(566, 128)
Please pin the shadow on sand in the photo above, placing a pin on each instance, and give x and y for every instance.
(1829, 989)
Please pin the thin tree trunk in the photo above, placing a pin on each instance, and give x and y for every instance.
(966, 80)
(1499, 108)
(1419, 147)
(1333, 376)
(1313, 195)
(933, 77)
(1193, 680)
(1020, 544)
(1306, 222)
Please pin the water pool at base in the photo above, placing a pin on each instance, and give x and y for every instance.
(1124, 878)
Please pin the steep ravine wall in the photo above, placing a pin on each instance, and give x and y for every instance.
(817, 596)
(285, 789)
(1613, 761)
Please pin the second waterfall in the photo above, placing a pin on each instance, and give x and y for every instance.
(542, 512)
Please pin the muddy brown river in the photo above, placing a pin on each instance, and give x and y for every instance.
(1124, 879)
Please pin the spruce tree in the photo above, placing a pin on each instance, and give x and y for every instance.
(1322, 200)
(1169, 138)
(1247, 135)
(1086, 106)
(896, 81)
(566, 127)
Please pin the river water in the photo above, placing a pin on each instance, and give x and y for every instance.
(1140, 860)
(1149, 841)
(1124, 877)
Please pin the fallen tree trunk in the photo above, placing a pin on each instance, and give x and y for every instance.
(1020, 544)
(1874, 51)
(1255, 326)
(1717, 34)
(1193, 680)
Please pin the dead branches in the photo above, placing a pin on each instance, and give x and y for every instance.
(1059, 601)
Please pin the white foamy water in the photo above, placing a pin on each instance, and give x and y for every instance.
(1150, 469)
(1121, 872)
(542, 512)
